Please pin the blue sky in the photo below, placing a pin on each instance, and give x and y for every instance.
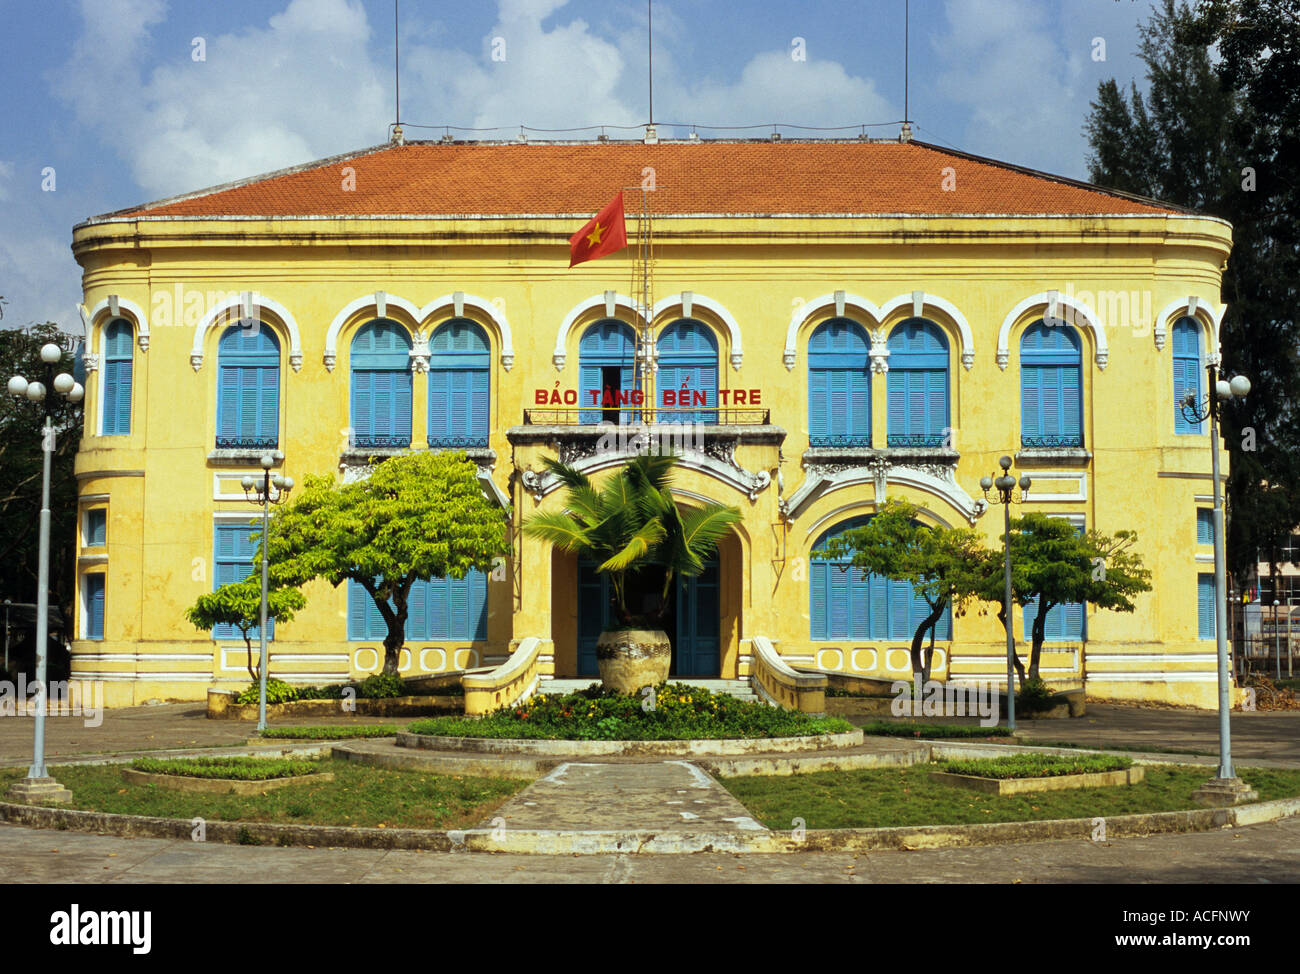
(109, 95)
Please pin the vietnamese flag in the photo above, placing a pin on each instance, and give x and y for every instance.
(601, 236)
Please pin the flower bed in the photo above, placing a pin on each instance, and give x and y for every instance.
(674, 712)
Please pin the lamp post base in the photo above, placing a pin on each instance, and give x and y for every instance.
(1225, 791)
(39, 790)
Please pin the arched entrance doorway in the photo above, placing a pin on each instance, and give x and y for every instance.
(693, 624)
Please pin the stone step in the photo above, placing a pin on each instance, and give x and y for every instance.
(740, 689)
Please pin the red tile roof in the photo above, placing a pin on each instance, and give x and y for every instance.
(691, 177)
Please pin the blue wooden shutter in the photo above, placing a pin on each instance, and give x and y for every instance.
(1186, 342)
(819, 583)
(1204, 525)
(95, 606)
(839, 385)
(248, 387)
(917, 384)
(233, 561)
(1205, 616)
(688, 361)
(96, 527)
(459, 385)
(381, 385)
(118, 339)
(606, 343)
(1051, 386)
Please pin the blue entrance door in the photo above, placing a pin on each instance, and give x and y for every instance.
(696, 631)
(698, 624)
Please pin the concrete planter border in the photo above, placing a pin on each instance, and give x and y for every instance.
(570, 749)
(217, 786)
(222, 706)
(539, 842)
(1062, 782)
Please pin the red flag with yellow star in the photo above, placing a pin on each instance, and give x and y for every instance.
(603, 235)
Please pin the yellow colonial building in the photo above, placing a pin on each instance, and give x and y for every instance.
(831, 323)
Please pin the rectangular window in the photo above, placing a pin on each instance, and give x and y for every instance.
(95, 606)
(232, 561)
(441, 608)
(96, 528)
(1205, 607)
(1204, 525)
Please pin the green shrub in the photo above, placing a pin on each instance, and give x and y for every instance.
(332, 692)
(892, 728)
(381, 685)
(277, 691)
(1036, 765)
(1034, 696)
(679, 712)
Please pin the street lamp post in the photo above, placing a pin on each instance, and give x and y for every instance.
(1277, 641)
(38, 785)
(273, 489)
(1005, 486)
(1226, 787)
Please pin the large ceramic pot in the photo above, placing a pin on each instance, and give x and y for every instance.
(629, 659)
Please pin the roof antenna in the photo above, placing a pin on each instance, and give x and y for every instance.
(906, 134)
(397, 84)
(651, 136)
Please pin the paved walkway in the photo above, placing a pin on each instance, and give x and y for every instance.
(1259, 854)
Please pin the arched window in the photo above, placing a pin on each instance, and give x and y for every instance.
(381, 385)
(1051, 387)
(687, 380)
(839, 385)
(846, 605)
(606, 359)
(117, 378)
(248, 387)
(1187, 371)
(460, 362)
(918, 385)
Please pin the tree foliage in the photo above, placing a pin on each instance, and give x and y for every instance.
(941, 564)
(21, 463)
(239, 604)
(415, 517)
(634, 531)
(1223, 136)
(1052, 564)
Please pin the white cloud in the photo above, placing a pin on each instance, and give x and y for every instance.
(1021, 83)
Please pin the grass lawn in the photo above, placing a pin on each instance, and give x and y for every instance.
(879, 798)
(1137, 748)
(911, 728)
(329, 733)
(358, 796)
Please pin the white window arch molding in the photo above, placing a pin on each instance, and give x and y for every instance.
(1207, 314)
(1064, 310)
(111, 307)
(237, 309)
(611, 302)
(687, 301)
(458, 301)
(843, 302)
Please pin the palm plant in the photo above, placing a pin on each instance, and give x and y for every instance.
(631, 525)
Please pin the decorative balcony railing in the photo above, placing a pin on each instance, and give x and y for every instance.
(834, 440)
(240, 442)
(1053, 441)
(918, 439)
(381, 440)
(458, 442)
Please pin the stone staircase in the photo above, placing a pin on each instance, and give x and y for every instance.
(740, 689)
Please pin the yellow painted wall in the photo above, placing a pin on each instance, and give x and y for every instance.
(162, 500)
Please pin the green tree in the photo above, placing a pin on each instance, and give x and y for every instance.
(942, 564)
(1224, 138)
(1052, 564)
(632, 528)
(415, 517)
(239, 604)
(20, 475)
